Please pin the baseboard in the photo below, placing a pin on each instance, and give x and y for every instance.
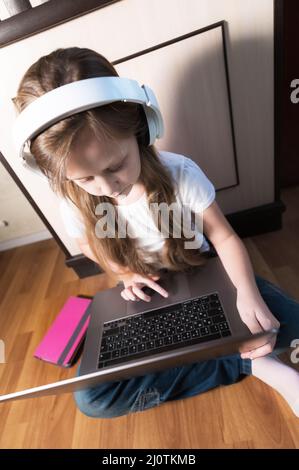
(246, 223)
(25, 240)
(83, 266)
(257, 220)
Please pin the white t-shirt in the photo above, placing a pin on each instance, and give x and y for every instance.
(194, 189)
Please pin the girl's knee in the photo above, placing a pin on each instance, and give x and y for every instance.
(94, 403)
(94, 407)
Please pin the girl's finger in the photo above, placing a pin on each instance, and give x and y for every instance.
(262, 351)
(139, 292)
(130, 293)
(124, 295)
(155, 287)
(252, 324)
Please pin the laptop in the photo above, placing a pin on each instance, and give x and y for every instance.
(198, 321)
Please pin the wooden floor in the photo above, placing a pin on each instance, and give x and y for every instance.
(34, 284)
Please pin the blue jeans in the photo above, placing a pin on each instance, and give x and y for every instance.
(112, 399)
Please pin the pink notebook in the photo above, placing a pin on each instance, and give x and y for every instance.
(64, 337)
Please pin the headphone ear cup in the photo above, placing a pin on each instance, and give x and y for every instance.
(154, 124)
(143, 135)
(152, 132)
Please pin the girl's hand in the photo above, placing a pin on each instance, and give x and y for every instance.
(133, 283)
(257, 316)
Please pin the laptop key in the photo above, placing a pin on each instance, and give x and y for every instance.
(168, 340)
(133, 349)
(105, 356)
(219, 318)
(214, 311)
(154, 335)
(180, 329)
(145, 338)
(104, 348)
(214, 328)
(195, 333)
(202, 315)
(204, 330)
(124, 351)
(187, 303)
(225, 333)
(170, 331)
(115, 353)
(162, 334)
(110, 332)
(223, 326)
(186, 335)
(177, 338)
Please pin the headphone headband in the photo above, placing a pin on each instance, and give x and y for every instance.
(79, 96)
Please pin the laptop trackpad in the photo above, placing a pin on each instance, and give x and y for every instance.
(177, 286)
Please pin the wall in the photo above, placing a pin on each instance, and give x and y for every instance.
(131, 26)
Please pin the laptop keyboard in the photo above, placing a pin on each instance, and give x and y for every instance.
(194, 321)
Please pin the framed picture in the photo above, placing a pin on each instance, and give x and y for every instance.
(23, 18)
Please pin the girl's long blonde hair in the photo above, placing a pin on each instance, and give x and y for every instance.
(51, 149)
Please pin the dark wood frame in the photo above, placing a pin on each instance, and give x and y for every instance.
(288, 111)
(45, 16)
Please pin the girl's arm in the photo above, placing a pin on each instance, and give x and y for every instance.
(235, 259)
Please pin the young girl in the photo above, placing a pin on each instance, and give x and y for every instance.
(102, 155)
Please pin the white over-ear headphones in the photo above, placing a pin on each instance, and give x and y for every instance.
(79, 96)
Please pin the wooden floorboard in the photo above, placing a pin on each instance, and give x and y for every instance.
(35, 283)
